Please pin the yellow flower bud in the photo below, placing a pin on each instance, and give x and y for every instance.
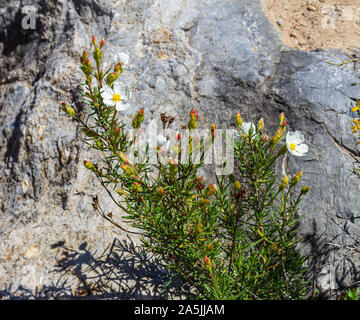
(121, 192)
(192, 123)
(68, 110)
(285, 179)
(137, 187)
(89, 165)
(305, 190)
(111, 77)
(237, 185)
(123, 157)
(295, 180)
(238, 120)
(210, 246)
(203, 202)
(260, 125)
(127, 169)
(160, 192)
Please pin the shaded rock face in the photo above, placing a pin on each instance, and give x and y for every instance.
(216, 56)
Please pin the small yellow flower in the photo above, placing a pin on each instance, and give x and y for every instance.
(357, 107)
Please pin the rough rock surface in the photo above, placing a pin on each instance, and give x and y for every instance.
(219, 56)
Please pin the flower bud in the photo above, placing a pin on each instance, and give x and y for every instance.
(93, 40)
(295, 180)
(265, 138)
(260, 125)
(238, 119)
(127, 169)
(284, 183)
(193, 120)
(305, 190)
(207, 263)
(209, 191)
(102, 42)
(137, 187)
(282, 117)
(285, 179)
(213, 128)
(121, 192)
(203, 202)
(140, 116)
(216, 190)
(209, 246)
(89, 80)
(160, 192)
(111, 77)
(237, 185)
(173, 166)
(68, 110)
(123, 157)
(89, 133)
(118, 68)
(89, 165)
(98, 55)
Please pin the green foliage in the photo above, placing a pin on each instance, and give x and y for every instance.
(235, 239)
(350, 294)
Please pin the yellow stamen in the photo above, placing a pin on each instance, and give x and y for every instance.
(292, 146)
(116, 97)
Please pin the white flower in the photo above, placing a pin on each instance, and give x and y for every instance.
(117, 96)
(295, 145)
(159, 143)
(123, 58)
(160, 140)
(245, 127)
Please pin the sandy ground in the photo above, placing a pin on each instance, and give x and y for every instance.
(312, 24)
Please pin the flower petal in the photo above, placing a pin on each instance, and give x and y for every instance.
(109, 102)
(302, 148)
(122, 106)
(122, 57)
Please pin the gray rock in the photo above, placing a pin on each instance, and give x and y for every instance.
(219, 56)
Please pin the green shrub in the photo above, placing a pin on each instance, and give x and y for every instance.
(233, 239)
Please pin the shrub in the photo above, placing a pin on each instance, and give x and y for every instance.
(232, 239)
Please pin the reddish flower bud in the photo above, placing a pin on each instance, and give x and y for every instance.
(93, 40)
(89, 165)
(209, 191)
(102, 42)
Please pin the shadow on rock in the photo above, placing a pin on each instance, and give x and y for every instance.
(122, 271)
(332, 267)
